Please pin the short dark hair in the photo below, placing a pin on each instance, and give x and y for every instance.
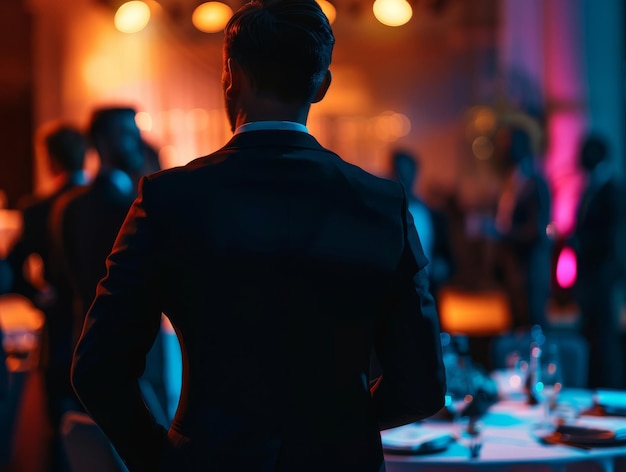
(102, 119)
(404, 164)
(284, 46)
(67, 146)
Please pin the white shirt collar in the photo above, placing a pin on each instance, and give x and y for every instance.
(272, 125)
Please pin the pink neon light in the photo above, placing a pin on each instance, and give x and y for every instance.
(565, 131)
(566, 268)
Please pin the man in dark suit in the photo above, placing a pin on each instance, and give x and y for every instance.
(599, 229)
(49, 290)
(87, 220)
(282, 269)
(65, 148)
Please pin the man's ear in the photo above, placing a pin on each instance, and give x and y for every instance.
(233, 78)
(323, 87)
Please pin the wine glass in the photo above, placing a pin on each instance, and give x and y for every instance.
(546, 379)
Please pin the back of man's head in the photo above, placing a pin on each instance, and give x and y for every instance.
(594, 150)
(104, 120)
(115, 135)
(284, 46)
(404, 167)
(67, 147)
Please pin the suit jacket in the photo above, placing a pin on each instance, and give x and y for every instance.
(87, 220)
(597, 229)
(36, 238)
(282, 268)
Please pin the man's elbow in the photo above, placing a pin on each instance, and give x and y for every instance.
(433, 405)
(396, 411)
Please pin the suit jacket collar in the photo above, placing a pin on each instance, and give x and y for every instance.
(273, 138)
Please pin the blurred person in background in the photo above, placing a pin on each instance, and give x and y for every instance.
(405, 170)
(431, 225)
(37, 275)
(282, 268)
(86, 221)
(596, 240)
(522, 215)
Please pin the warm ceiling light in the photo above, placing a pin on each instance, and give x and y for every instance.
(392, 12)
(328, 9)
(211, 17)
(132, 17)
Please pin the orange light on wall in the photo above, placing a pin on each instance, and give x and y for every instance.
(389, 126)
(392, 12)
(480, 313)
(132, 17)
(211, 17)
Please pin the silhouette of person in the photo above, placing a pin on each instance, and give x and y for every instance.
(282, 268)
(87, 220)
(443, 264)
(431, 225)
(50, 291)
(405, 169)
(595, 239)
(522, 215)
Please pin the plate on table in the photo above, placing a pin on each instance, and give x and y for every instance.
(415, 439)
(589, 431)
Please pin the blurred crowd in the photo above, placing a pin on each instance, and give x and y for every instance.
(508, 244)
(66, 236)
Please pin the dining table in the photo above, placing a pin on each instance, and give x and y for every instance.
(512, 436)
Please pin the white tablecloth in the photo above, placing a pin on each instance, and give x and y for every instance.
(509, 444)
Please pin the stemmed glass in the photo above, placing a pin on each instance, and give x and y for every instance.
(547, 379)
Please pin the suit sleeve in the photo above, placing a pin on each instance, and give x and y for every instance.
(119, 330)
(408, 346)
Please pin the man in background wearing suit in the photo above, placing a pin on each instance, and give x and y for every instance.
(87, 219)
(597, 241)
(282, 269)
(65, 148)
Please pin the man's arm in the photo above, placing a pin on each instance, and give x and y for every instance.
(119, 330)
(408, 346)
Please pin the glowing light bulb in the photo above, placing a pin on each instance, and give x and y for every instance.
(211, 17)
(132, 17)
(329, 10)
(392, 12)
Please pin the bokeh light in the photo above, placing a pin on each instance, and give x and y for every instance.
(389, 126)
(144, 121)
(566, 268)
(132, 17)
(211, 17)
(392, 12)
(482, 147)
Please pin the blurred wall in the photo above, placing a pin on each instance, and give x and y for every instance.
(16, 102)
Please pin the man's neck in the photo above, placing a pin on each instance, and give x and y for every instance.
(265, 109)
(271, 125)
